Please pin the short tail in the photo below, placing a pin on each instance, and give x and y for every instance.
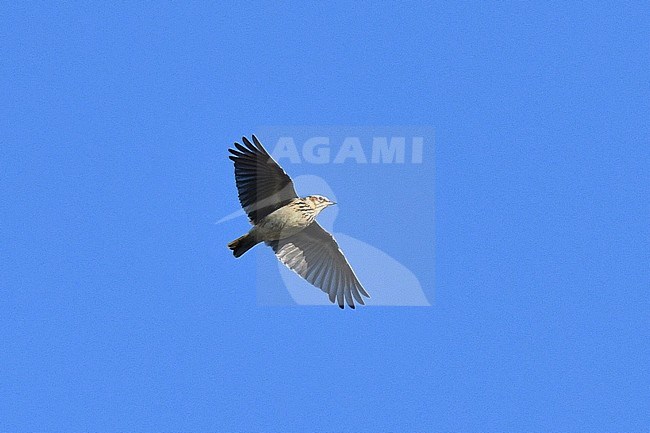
(242, 244)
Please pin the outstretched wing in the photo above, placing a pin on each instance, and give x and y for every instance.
(314, 255)
(262, 184)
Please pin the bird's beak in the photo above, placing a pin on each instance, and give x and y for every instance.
(331, 203)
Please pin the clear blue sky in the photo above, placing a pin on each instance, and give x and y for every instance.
(122, 310)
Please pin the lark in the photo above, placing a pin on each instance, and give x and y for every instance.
(287, 223)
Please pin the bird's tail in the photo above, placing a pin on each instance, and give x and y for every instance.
(242, 244)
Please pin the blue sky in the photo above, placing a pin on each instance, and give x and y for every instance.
(122, 310)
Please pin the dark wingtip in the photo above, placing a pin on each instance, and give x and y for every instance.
(258, 144)
(236, 152)
(241, 148)
(248, 144)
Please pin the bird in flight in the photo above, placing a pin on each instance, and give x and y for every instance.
(287, 223)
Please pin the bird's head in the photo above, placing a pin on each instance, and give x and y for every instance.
(318, 202)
